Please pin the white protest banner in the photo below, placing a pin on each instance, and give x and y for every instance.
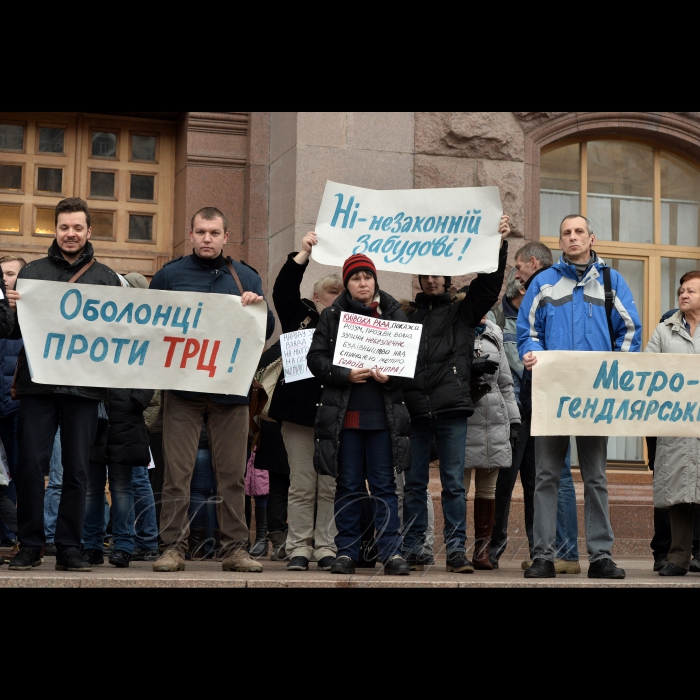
(368, 343)
(85, 335)
(616, 393)
(295, 348)
(421, 232)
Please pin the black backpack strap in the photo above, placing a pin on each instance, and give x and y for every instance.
(609, 303)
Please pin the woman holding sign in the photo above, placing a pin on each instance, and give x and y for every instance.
(362, 424)
(677, 468)
(311, 533)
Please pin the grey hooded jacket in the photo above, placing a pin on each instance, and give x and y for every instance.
(488, 430)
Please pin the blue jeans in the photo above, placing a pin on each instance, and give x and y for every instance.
(567, 515)
(366, 455)
(203, 495)
(52, 499)
(146, 527)
(122, 508)
(450, 437)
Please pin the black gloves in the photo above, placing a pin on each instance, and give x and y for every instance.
(482, 365)
(514, 437)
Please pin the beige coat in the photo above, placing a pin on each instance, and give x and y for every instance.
(677, 470)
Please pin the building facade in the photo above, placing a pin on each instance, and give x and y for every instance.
(636, 175)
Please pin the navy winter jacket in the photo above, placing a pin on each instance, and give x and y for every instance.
(9, 351)
(190, 274)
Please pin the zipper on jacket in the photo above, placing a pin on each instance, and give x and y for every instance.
(590, 310)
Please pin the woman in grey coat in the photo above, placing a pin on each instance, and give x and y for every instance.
(491, 434)
(677, 469)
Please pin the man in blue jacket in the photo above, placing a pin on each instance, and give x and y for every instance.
(208, 271)
(564, 309)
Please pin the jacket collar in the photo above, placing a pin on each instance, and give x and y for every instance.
(386, 303)
(423, 300)
(509, 311)
(593, 271)
(57, 257)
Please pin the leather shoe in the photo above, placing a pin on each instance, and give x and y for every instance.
(298, 564)
(397, 566)
(605, 568)
(418, 562)
(672, 570)
(72, 560)
(26, 560)
(50, 549)
(541, 568)
(659, 564)
(94, 557)
(344, 565)
(120, 559)
(457, 563)
(695, 566)
(326, 563)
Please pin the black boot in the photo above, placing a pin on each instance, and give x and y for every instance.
(197, 544)
(261, 546)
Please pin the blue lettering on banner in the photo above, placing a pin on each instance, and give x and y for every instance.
(74, 349)
(78, 304)
(59, 347)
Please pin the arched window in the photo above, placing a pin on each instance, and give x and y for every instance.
(644, 206)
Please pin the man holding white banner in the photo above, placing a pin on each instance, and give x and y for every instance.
(44, 408)
(578, 304)
(208, 271)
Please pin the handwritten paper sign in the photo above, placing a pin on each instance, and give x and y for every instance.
(422, 232)
(85, 335)
(295, 348)
(368, 343)
(616, 393)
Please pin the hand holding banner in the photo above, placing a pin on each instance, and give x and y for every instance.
(427, 232)
(373, 343)
(85, 335)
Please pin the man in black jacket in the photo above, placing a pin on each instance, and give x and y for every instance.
(44, 408)
(439, 401)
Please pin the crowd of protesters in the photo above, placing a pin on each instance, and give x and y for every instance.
(337, 471)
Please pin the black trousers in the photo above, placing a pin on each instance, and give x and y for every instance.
(523, 464)
(277, 502)
(8, 512)
(661, 544)
(39, 419)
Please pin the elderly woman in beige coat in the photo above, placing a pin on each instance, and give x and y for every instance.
(491, 433)
(677, 471)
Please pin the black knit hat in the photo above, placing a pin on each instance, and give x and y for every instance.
(448, 281)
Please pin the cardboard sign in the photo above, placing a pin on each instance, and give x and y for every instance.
(295, 348)
(89, 335)
(422, 232)
(373, 343)
(616, 393)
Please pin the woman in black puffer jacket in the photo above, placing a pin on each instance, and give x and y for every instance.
(311, 532)
(362, 425)
(122, 447)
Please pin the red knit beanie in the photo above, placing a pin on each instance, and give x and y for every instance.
(355, 264)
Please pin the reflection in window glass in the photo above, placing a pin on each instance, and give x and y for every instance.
(45, 222)
(143, 148)
(143, 187)
(672, 269)
(102, 184)
(620, 191)
(11, 137)
(9, 218)
(50, 180)
(104, 144)
(102, 224)
(140, 228)
(10, 177)
(560, 186)
(680, 200)
(51, 140)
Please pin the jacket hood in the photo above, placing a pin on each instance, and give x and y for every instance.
(410, 307)
(509, 311)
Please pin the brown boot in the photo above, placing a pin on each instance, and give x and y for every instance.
(484, 514)
(172, 561)
(239, 560)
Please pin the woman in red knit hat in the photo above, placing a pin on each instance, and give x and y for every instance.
(362, 425)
